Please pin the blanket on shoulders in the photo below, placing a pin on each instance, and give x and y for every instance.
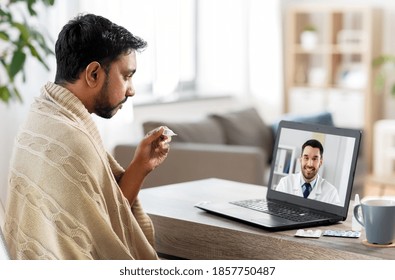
(64, 201)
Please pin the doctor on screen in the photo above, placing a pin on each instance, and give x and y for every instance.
(308, 183)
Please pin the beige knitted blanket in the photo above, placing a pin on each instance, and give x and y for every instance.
(64, 201)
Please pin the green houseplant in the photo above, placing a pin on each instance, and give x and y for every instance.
(19, 40)
(385, 64)
(309, 37)
(310, 27)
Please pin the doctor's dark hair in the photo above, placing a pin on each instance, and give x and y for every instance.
(315, 144)
(88, 38)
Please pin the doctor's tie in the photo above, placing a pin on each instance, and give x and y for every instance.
(307, 190)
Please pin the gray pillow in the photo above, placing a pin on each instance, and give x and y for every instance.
(206, 130)
(247, 128)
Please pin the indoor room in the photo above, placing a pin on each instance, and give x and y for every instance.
(222, 74)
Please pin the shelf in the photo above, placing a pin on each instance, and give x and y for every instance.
(332, 68)
(327, 87)
(349, 49)
(299, 49)
(331, 49)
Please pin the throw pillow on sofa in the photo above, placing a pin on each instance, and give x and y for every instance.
(243, 127)
(247, 128)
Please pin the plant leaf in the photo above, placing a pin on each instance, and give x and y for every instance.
(380, 81)
(5, 15)
(12, 59)
(17, 62)
(5, 94)
(23, 30)
(49, 2)
(30, 7)
(15, 92)
(39, 38)
(38, 56)
(383, 59)
(4, 36)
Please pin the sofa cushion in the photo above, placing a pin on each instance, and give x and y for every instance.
(206, 130)
(246, 127)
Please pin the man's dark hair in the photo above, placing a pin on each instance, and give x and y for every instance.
(315, 144)
(89, 38)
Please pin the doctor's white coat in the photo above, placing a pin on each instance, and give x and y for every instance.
(322, 191)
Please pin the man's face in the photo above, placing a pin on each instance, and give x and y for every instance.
(117, 87)
(310, 162)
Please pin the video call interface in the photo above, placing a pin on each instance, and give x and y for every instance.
(336, 159)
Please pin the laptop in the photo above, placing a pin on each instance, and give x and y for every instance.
(284, 206)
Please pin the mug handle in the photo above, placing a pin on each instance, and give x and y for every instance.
(357, 216)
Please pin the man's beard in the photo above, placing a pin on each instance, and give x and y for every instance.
(311, 175)
(103, 108)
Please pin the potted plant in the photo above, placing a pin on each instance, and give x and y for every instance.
(384, 82)
(385, 77)
(309, 37)
(19, 40)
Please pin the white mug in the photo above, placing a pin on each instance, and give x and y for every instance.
(378, 219)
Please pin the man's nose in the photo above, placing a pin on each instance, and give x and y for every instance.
(130, 91)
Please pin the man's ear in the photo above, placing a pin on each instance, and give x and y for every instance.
(92, 72)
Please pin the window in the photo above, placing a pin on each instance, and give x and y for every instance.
(197, 47)
(168, 65)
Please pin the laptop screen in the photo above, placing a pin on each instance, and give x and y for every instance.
(314, 165)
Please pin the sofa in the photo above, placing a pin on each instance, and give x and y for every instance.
(236, 146)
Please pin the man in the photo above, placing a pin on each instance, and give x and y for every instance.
(308, 183)
(68, 198)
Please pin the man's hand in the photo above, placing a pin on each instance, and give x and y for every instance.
(152, 150)
(150, 153)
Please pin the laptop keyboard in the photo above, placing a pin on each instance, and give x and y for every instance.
(280, 210)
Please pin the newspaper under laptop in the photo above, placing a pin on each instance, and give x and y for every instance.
(325, 179)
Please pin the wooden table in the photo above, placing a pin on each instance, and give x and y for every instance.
(186, 232)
